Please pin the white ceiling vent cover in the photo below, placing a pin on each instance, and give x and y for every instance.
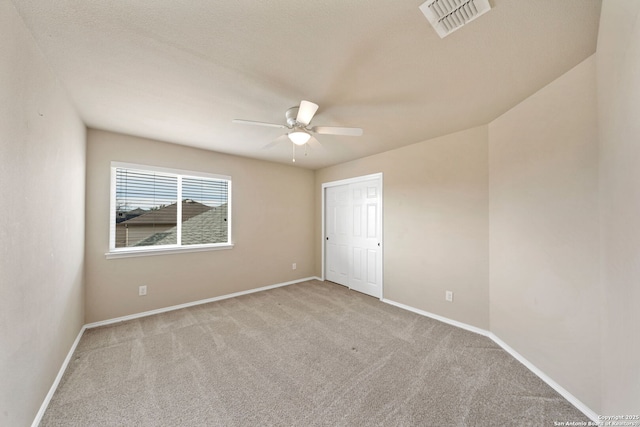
(446, 16)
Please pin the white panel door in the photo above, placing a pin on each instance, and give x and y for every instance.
(353, 227)
(365, 240)
(337, 236)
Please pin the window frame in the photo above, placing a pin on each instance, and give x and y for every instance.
(124, 252)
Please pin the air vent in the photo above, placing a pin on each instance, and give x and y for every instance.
(446, 16)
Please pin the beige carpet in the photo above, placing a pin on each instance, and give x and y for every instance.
(303, 355)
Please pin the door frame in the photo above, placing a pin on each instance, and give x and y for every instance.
(354, 180)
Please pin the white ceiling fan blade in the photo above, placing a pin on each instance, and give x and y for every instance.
(276, 141)
(314, 143)
(333, 130)
(306, 112)
(254, 123)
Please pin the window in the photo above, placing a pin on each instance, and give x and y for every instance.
(157, 210)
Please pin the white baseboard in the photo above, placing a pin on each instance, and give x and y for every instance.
(544, 377)
(191, 304)
(56, 382)
(440, 318)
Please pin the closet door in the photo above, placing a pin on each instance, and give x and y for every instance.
(353, 241)
(337, 237)
(365, 241)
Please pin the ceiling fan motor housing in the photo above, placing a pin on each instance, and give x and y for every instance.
(291, 115)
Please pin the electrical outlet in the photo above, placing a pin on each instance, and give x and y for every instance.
(142, 290)
(294, 266)
(448, 295)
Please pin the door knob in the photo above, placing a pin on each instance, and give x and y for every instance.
(378, 244)
(327, 238)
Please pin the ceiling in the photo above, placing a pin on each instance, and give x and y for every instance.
(180, 71)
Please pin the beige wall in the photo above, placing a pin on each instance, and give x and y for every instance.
(272, 228)
(544, 271)
(435, 223)
(42, 155)
(619, 130)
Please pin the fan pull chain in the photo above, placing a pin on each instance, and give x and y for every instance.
(293, 146)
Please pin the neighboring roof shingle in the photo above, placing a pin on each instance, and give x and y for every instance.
(207, 227)
(167, 214)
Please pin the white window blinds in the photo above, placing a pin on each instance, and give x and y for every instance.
(153, 208)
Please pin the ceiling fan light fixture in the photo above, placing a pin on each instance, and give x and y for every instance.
(299, 136)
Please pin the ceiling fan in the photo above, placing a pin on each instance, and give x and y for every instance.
(298, 120)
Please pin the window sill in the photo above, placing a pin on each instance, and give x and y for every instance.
(165, 251)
